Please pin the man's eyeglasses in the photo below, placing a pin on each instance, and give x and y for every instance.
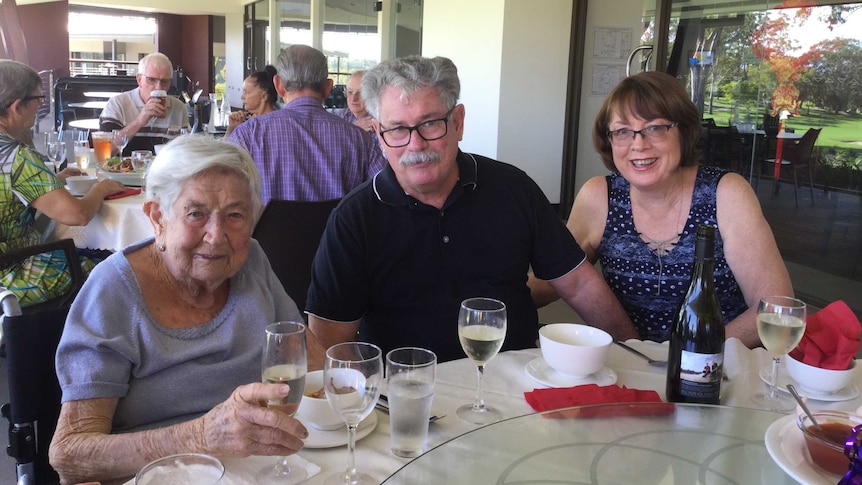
(429, 131)
(152, 81)
(653, 133)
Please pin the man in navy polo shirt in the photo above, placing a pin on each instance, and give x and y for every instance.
(437, 226)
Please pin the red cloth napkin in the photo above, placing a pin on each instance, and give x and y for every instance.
(126, 193)
(831, 338)
(562, 397)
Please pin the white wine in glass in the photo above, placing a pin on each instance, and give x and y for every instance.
(780, 326)
(352, 373)
(285, 361)
(481, 330)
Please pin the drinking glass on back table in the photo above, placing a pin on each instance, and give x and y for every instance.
(481, 330)
(55, 145)
(285, 361)
(780, 326)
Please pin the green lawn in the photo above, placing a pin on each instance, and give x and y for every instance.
(840, 130)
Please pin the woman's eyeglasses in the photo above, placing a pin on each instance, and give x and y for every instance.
(653, 133)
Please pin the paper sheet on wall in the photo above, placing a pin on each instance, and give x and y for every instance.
(605, 77)
(612, 43)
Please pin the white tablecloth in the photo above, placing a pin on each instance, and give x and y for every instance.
(119, 222)
(504, 384)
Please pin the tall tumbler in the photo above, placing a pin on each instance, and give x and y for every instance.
(410, 376)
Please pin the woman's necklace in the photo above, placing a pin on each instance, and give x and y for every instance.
(663, 247)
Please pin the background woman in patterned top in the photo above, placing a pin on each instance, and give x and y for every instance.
(640, 222)
(27, 186)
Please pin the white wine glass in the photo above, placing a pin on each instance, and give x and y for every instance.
(120, 139)
(285, 361)
(55, 146)
(481, 330)
(352, 373)
(780, 326)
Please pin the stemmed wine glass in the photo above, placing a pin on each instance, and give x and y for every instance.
(55, 145)
(352, 373)
(780, 326)
(120, 140)
(481, 330)
(285, 361)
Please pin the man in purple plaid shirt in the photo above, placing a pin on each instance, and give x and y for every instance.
(302, 151)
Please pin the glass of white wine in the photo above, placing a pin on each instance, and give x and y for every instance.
(481, 330)
(780, 326)
(285, 361)
(352, 374)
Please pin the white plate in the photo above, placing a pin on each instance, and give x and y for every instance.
(786, 446)
(329, 439)
(846, 394)
(130, 179)
(541, 372)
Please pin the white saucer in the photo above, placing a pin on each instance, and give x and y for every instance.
(541, 372)
(329, 439)
(786, 446)
(846, 394)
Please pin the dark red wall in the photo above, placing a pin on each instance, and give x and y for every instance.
(46, 30)
(198, 51)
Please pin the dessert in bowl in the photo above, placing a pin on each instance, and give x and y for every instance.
(314, 409)
(826, 447)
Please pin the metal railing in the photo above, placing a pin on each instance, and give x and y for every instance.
(105, 67)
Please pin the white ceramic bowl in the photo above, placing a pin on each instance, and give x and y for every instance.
(81, 184)
(573, 349)
(316, 411)
(815, 379)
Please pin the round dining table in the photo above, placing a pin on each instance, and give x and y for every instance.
(119, 223)
(724, 444)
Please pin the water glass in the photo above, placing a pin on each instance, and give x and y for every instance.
(82, 154)
(410, 376)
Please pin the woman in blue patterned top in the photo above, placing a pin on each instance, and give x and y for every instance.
(640, 221)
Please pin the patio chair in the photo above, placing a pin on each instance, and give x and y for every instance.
(798, 156)
(71, 252)
(289, 232)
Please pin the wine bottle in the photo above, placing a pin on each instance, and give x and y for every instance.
(696, 348)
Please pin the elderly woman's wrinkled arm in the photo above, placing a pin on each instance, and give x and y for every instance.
(62, 207)
(84, 450)
(751, 253)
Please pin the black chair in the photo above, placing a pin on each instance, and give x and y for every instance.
(71, 252)
(34, 392)
(289, 232)
(798, 156)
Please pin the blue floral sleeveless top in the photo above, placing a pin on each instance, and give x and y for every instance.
(631, 268)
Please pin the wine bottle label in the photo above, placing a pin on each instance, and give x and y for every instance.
(700, 375)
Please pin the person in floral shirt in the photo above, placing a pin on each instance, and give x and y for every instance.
(27, 186)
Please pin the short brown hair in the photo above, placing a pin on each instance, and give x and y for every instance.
(650, 95)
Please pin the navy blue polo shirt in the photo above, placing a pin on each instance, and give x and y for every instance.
(404, 267)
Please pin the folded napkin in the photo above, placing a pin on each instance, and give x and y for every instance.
(831, 338)
(126, 193)
(563, 397)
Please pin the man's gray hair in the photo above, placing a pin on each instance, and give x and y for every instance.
(156, 58)
(190, 155)
(17, 80)
(302, 67)
(410, 74)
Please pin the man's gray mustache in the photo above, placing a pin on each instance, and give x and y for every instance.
(415, 158)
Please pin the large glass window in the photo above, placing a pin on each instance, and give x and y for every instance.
(767, 78)
(350, 37)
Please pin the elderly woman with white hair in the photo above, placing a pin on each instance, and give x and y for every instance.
(29, 186)
(161, 352)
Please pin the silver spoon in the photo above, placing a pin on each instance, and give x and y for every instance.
(803, 406)
(657, 363)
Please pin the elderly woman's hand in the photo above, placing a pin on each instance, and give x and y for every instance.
(69, 172)
(243, 425)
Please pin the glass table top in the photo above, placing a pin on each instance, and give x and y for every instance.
(608, 444)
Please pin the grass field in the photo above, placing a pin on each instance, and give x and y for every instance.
(840, 130)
